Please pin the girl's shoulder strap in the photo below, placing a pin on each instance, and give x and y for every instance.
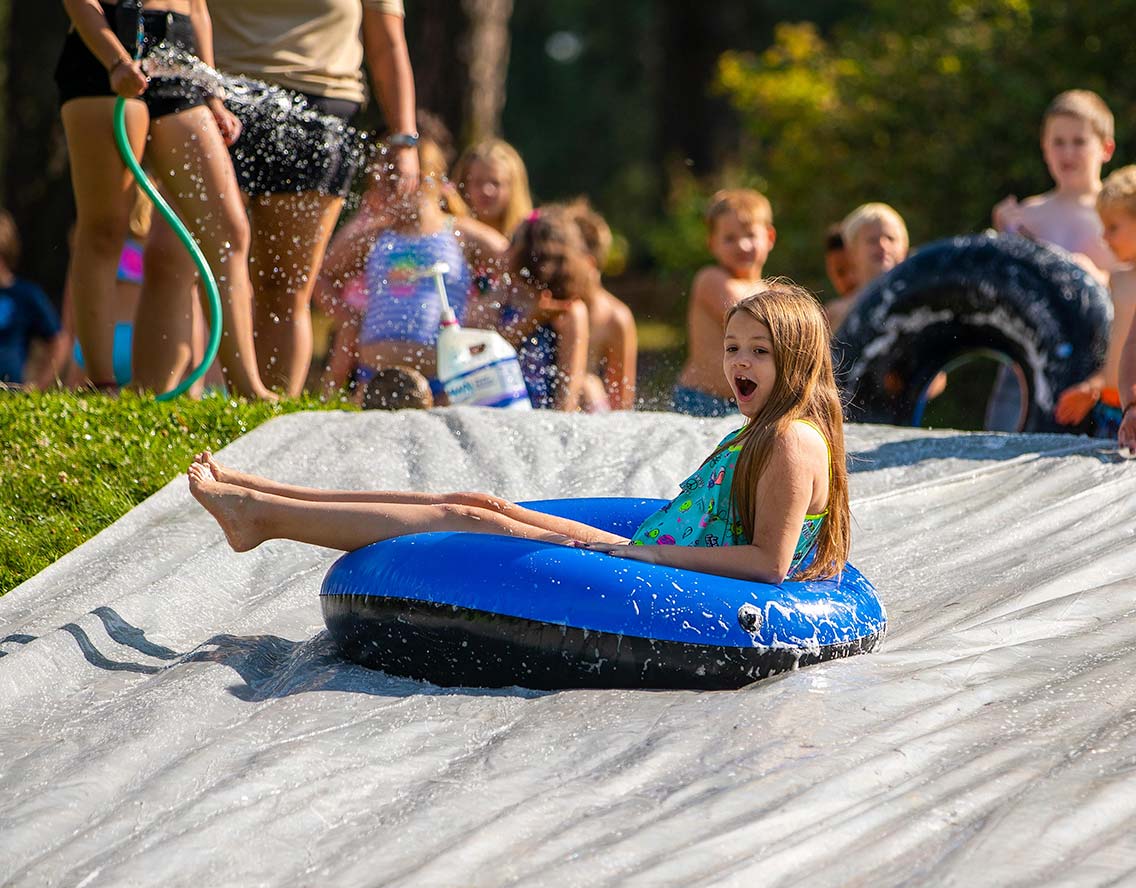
(828, 448)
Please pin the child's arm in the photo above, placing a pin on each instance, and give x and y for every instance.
(571, 327)
(484, 249)
(346, 256)
(784, 492)
(620, 358)
(1125, 295)
(1074, 404)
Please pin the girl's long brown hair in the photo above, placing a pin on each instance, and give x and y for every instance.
(805, 388)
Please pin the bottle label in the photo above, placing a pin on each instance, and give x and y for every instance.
(498, 384)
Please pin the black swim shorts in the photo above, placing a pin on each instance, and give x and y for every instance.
(293, 142)
(79, 74)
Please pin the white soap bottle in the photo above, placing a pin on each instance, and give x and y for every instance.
(476, 367)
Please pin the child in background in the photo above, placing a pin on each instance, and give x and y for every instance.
(391, 251)
(128, 288)
(613, 342)
(1098, 397)
(740, 236)
(29, 324)
(397, 388)
(492, 180)
(875, 241)
(541, 310)
(1076, 141)
(770, 494)
(836, 264)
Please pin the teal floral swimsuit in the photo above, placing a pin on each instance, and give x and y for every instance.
(702, 514)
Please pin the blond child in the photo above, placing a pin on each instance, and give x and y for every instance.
(740, 236)
(492, 180)
(875, 241)
(1076, 141)
(1098, 398)
(613, 341)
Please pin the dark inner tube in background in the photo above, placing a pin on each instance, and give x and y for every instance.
(998, 296)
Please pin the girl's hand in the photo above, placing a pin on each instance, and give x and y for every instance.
(227, 121)
(624, 550)
(127, 79)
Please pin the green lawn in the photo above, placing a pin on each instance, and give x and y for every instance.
(72, 463)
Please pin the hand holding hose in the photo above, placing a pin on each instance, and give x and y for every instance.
(127, 79)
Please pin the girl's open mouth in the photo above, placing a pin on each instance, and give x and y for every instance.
(744, 386)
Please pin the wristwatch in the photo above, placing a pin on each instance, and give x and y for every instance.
(402, 140)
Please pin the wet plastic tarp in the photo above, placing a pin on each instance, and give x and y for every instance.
(173, 713)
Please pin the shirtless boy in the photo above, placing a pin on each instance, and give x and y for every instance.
(1076, 141)
(1100, 397)
(875, 241)
(741, 235)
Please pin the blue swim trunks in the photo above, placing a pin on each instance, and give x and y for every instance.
(696, 403)
(1105, 421)
(121, 356)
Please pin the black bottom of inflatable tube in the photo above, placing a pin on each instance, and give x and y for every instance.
(454, 646)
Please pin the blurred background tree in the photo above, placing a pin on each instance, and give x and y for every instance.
(648, 106)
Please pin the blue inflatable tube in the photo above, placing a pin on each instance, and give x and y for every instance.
(479, 610)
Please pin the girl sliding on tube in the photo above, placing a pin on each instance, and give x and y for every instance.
(771, 493)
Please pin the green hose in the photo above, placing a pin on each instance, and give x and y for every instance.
(207, 279)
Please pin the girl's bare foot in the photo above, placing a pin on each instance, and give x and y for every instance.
(223, 473)
(232, 507)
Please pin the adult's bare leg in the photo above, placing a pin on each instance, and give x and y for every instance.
(249, 517)
(290, 233)
(189, 155)
(103, 197)
(481, 501)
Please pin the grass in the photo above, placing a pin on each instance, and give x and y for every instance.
(72, 463)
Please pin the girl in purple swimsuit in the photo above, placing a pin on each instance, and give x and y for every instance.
(382, 255)
(770, 502)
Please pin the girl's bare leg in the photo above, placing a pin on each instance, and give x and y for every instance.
(482, 502)
(290, 236)
(103, 195)
(249, 517)
(189, 155)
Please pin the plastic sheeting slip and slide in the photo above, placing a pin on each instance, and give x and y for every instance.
(173, 713)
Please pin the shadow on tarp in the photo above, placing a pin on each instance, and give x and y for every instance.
(269, 666)
(980, 447)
